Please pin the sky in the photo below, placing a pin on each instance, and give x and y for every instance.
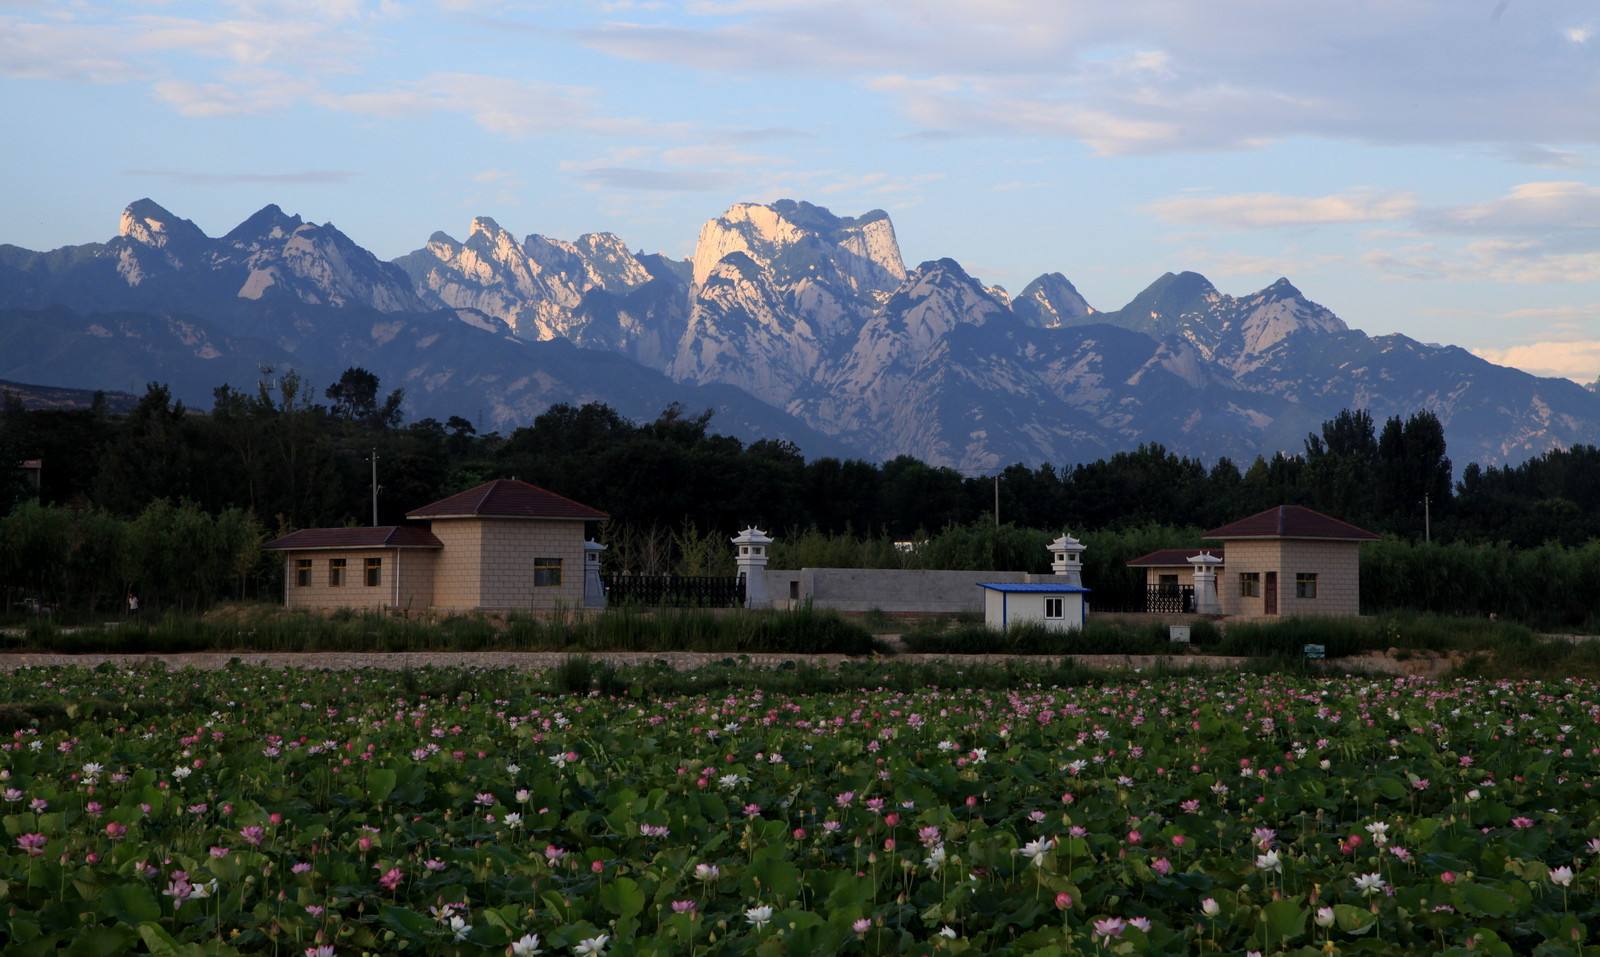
(1427, 167)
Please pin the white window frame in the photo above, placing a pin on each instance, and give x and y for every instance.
(1060, 607)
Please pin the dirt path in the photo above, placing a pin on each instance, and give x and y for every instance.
(680, 660)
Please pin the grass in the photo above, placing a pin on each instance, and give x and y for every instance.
(738, 632)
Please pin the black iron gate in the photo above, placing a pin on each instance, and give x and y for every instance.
(674, 591)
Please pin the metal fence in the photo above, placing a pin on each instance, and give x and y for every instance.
(674, 591)
(1169, 599)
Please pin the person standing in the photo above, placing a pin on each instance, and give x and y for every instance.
(133, 604)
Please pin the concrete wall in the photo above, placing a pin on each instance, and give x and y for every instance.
(1007, 610)
(414, 567)
(1337, 566)
(884, 589)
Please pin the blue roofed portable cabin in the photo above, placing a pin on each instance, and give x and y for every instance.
(1058, 606)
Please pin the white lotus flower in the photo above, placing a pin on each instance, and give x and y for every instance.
(759, 916)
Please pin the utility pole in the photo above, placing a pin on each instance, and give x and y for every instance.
(374, 488)
(1427, 519)
(997, 500)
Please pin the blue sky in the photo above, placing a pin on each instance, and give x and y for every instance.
(1428, 167)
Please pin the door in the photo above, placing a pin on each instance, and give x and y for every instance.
(1272, 593)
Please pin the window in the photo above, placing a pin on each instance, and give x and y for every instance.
(335, 572)
(1054, 607)
(1249, 584)
(1305, 585)
(794, 591)
(1167, 582)
(546, 572)
(302, 572)
(374, 572)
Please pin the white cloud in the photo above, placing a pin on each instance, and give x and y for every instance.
(1493, 260)
(1145, 75)
(1268, 210)
(1578, 360)
(1538, 207)
(513, 108)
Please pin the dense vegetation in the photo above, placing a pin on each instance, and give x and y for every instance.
(250, 811)
(279, 459)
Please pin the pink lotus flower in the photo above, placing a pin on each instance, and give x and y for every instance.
(390, 881)
(32, 844)
(253, 835)
(116, 831)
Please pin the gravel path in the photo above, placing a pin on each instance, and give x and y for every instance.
(540, 660)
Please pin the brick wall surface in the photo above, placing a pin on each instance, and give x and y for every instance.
(457, 573)
(1251, 556)
(509, 549)
(354, 593)
(1337, 566)
(415, 568)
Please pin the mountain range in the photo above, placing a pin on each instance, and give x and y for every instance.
(788, 321)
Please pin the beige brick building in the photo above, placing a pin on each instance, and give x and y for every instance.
(501, 546)
(1285, 561)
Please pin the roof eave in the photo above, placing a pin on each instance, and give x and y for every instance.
(598, 517)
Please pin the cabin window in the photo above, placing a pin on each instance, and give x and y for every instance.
(1250, 584)
(794, 591)
(374, 572)
(1055, 608)
(1305, 585)
(335, 572)
(1167, 582)
(546, 572)
(302, 573)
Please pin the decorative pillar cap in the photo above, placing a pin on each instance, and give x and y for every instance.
(1205, 560)
(751, 536)
(593, 546)
(1066, 543)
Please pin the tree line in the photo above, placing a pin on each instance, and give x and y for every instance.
(289, 455)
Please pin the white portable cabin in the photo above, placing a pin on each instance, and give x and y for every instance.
(1058, 606)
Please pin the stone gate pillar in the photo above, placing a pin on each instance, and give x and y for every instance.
(1066, 559)
(1205, 584)
(751, 559)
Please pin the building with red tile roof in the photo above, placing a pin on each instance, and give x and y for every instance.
(504, 545)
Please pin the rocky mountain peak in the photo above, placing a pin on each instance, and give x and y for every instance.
(801, 241)
(1050, 302)
(485, 226)
(144, 221)
(267, 224)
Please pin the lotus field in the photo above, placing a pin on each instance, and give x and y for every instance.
(287, 812)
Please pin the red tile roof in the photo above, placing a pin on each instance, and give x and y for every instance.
(508, 498)
(1292, 521)
(383, 536)
(1172, 557)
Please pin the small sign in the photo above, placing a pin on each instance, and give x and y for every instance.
(1316, 652)
(1178, 634)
